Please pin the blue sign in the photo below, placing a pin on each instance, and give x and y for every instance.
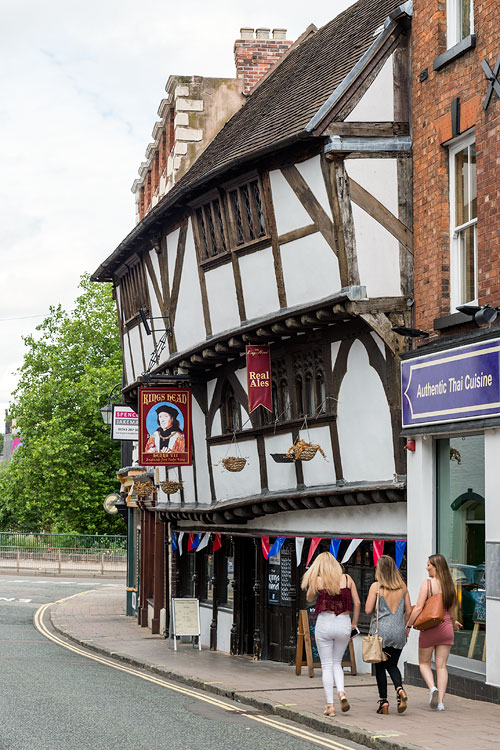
(456, 384)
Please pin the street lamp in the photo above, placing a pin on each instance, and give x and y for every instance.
(107, 411)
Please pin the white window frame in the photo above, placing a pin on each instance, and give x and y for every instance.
(453, 20)
(456, 265)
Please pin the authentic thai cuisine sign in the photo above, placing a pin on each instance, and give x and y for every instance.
(165, 427)
(457, 384)
(260, 391)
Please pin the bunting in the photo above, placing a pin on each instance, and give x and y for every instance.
(174, 541)
(312, 548)
(217, 543)
(204, 542)
(299, 545)
(179, 541)
(400, 550)
(378, 550)
(265, 546)
(334, 547)
(278, 544)
(351, 548)
(194, 541)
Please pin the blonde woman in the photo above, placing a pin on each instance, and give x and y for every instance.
(337, 597)
(438, 639)
(394, 611)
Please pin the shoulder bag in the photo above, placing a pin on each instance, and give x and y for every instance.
(432, 614)
(371, 645)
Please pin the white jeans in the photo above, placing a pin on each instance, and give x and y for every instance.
(332, 636)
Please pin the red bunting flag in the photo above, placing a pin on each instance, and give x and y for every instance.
(190, 541)
(378, 550)
(312, 548)
(265, 546)
(217, 543)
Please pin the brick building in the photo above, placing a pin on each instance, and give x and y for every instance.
(451, 382)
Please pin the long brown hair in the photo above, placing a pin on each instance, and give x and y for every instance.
(444, 577)
(388, 575)
(328, 569)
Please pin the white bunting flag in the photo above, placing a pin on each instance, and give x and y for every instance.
(204, 541)
(179, 541)
(352, 546)
(299, 545)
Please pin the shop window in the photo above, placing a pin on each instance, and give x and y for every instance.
(460, 20)
(463, 221)
(230, 410)
(133, 294)
(206, 577)
(225, 590)
(461, 535)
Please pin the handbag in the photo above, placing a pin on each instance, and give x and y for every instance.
(371, 645)
(433, 612)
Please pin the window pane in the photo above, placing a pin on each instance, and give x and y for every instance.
(467, 241)
(472, 182)
(461, 534)
(461, 187)
(465, 18)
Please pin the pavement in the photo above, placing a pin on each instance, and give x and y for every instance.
(96, 619)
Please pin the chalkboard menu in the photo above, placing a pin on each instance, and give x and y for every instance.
(279, 578)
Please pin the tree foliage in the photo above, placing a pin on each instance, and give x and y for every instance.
(67, 463)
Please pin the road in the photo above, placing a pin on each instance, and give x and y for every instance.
(55, 698)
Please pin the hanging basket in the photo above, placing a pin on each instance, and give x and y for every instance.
(143, 489)
(170, 487)
(304, 451)
(234, 463)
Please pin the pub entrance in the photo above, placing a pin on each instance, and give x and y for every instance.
(280, 605)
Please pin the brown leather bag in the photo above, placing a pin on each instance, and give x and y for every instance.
(433, 612)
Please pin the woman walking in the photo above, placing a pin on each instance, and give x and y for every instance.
(337, 597)
(438, 639)
(394, 610)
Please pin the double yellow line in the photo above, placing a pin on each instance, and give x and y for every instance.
(298, 732)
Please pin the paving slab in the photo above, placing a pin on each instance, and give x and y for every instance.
(97, 620)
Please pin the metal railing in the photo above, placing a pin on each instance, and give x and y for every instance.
(63, 553)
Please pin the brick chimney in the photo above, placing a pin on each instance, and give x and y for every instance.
(256, 52)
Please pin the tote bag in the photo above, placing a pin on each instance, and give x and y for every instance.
(432, 613)
(371, 645)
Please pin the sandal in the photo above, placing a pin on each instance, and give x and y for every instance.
(344, 703)
(329, 710)
(402, 700)
(383, 707)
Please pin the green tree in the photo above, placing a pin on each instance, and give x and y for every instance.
(67, 463)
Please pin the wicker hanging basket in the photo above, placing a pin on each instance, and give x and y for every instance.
(143, 489)
(234, 463)
(170, 487)
(304, 451)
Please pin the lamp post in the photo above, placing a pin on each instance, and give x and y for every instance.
(107, 411)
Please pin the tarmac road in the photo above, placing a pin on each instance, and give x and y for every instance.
(58, 698)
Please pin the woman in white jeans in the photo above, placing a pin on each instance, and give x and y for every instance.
(337, 597)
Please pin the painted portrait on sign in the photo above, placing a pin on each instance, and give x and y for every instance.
(165, 427)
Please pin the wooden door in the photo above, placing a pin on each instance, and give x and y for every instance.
(280, 605)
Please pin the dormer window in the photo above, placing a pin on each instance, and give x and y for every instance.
(460, 20)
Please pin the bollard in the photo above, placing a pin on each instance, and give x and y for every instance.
(18, 554)
(102, 565)
(59, 559)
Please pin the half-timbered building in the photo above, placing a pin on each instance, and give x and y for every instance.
(293, 229)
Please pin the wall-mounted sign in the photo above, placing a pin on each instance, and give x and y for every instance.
(165, 427)
(456, 384)
(260, 391)
(125, 424)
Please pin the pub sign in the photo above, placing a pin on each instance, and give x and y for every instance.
(165, 436)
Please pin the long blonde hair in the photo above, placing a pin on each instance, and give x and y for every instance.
(328, 569)
(444, 577)
(387, 574)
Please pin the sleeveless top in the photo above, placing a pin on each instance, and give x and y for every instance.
(391, 625)
(336, 603)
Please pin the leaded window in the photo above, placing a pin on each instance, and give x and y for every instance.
(134, 294)
(247, 212)
(211, 230)
(231, 411)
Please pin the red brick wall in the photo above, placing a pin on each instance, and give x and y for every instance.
(254, 57)
(432, 100)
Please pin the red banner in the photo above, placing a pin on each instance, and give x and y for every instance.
(165, 437)
(260, 392)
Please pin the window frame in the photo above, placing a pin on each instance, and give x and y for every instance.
(454, 33)
(134, 294)
(456, 265)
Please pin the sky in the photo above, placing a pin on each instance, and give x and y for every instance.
(80, 86)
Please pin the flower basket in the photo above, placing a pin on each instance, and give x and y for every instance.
(170, 487)
(304, 451)
(143, 489)
(234, 463)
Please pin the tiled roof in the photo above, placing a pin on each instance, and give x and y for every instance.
(284, 103)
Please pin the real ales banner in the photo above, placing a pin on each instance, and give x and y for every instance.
(260, 391)
(165, 427)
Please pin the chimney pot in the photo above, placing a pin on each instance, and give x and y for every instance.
(279, 33)
(246, 33)
(262, 33)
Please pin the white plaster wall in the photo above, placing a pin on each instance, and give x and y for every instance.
(379, 177)
(289, 212)
(379, 343)
(201, 458)
(216, 424)
(378, 102)
(492, 491)
(279, 476)
(155, 307)
(259, 283)
(224, 625)
(363, 521)
(127, 359)
(222, 300)
(188, 484)
(135, 343)
(318, 470)
(310, 269)
(172, 242)
(241, 374)
(363, 421)
(205, 621)
(312, 174)
(335, 350)
(230, 484)
(189, 325)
